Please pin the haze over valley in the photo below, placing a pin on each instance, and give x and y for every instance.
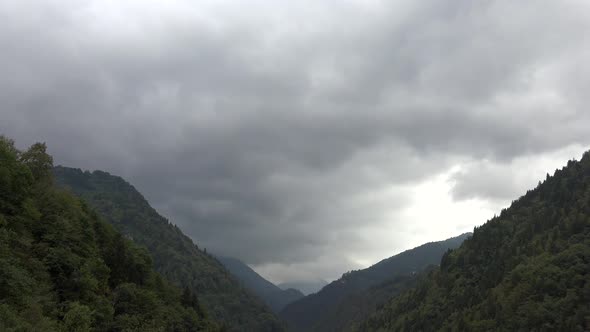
(294, 166)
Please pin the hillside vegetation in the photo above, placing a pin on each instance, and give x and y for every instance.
(175, 255)
(63, 269)
(527, 269)
(321, 309)
(356, 307)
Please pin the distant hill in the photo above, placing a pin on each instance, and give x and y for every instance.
(527, 269)
(175, 256)
(272, 295)
(304, 314)
(305, 287)
(64, 269)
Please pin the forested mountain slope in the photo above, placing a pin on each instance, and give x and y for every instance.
(356, 307)
(272, 295)
(525, 270)
(175, 256)
(304, 314)
(63, 269)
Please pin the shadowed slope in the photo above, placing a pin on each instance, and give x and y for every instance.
(272, 295)
(175, 256)
(309, 311)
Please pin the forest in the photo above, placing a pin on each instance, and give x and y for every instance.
(62, 268)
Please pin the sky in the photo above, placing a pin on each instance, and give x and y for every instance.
(306, 138)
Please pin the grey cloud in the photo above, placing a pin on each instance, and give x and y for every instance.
(484, 181)
(270, 133)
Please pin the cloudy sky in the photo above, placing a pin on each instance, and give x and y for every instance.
(307, 138)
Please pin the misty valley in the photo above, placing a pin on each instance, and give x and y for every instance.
(85, 251)
(294, 166)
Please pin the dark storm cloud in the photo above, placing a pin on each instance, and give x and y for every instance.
(277, 132)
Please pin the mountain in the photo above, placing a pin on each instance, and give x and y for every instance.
(358, 306)
(272, 295)
(304, 314)
(527, 269)
(175, 256)
(305, 287)
(64, 269)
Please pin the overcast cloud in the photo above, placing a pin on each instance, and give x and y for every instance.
(306, 138)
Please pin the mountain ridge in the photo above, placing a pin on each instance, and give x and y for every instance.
(305, 313)
(305, 287)
(175, 255)
(526, 269)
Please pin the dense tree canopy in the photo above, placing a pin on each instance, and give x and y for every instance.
(63, 269)
(527, 269)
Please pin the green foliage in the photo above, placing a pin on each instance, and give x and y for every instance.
(15, 178)
(63, 269)
(38, 161)
(78, 318)
(525, 270)
(175, 256)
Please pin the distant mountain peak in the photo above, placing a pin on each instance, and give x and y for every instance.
(305, 286)
(275, 297)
